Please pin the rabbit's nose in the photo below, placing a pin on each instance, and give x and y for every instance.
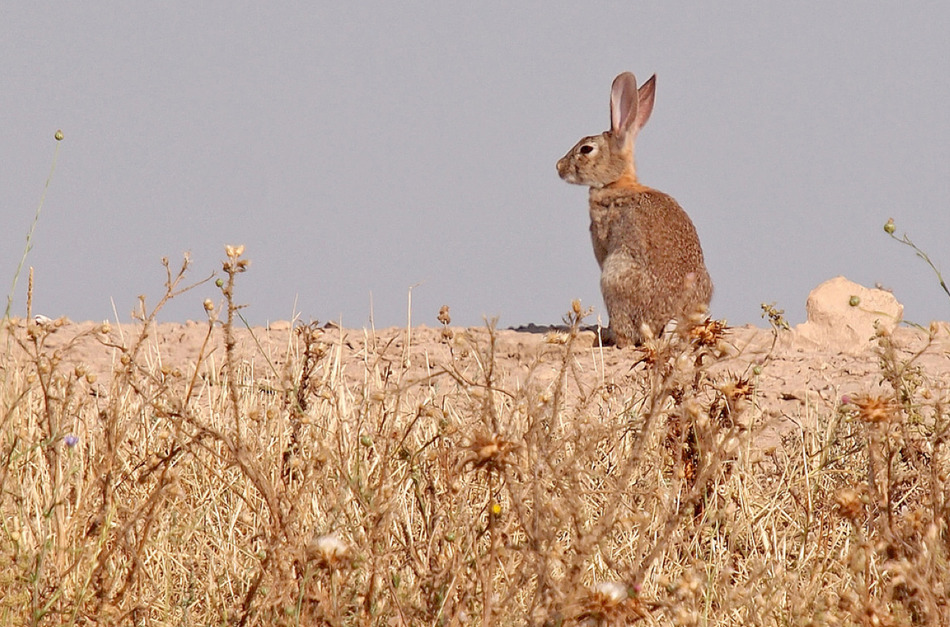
(564, 170)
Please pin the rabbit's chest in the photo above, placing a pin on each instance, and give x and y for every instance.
(606, 228)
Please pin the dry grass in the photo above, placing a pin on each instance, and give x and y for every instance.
(300, 490)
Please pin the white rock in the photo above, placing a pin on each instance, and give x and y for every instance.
(843, 315)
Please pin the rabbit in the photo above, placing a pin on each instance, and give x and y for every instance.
(652, 268)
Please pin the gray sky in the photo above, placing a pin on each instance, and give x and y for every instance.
(360, 149)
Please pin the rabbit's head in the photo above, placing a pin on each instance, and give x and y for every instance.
(607, 159)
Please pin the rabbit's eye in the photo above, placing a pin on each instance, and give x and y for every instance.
(586, 149)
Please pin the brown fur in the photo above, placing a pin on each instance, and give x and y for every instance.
(652, 268)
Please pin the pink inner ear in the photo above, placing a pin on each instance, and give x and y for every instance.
(623, 103)
(614, 114)
(645, 95)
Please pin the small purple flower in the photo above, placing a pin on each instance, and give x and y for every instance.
(71, 440)
(845, 399)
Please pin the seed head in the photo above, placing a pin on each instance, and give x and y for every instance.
(707, 333)
(444, 316)
(490, 452)
(611, 591)
(737, 389)
(330, 550)
(612, 603)
(875, 409)
(849, 503)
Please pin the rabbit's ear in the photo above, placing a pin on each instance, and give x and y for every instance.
(645, 97)
(623, 105)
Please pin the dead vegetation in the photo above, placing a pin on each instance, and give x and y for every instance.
(450, 491)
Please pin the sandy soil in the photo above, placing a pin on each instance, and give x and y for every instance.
(797, 378)
(797, 373)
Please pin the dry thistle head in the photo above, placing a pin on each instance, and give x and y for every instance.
(707, 333)
(875, 409)
(329, 550)
(850, 504)
(446, 320)
(612, 592)
(490, 452)
(648, 355)
(576, 314)
(444, 316)
(737, 389)
(612, 602)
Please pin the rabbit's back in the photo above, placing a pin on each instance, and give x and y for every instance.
(650, 256)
